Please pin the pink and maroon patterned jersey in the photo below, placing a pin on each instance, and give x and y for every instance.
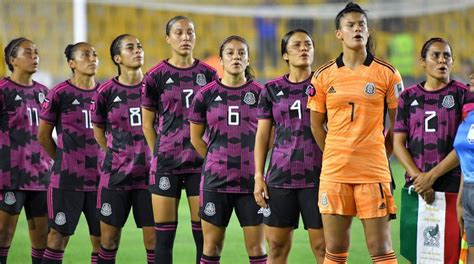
(169, 91)
(230, 116)
(75, 167)
(430, 119)
(296, 159)
(117, 109)
(24, 164)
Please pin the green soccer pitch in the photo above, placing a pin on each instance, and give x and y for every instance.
(132, 251)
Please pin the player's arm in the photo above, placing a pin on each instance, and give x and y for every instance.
(262, 144)
(99, 135)
(45, 138)
(425, 180)
(197, 131)
(148, 127)
(389, 134)
(317, 128)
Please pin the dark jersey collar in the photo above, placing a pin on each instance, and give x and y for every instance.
(367, 62)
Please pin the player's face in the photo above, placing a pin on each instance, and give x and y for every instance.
(353, 31)
(235, 57)
(438, 62)
(131, 53)
(27, 59)
(299, 50)
(182, 37)
(85, 60)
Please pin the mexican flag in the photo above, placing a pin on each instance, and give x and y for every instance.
(429, 233)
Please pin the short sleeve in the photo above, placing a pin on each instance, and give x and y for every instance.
(265, 105)
(51, 107)
(98, 108)
(317, 96)
(149, 94)
(394, 90)
(198, 108)
(402, 116)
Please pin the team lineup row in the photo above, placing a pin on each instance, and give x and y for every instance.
(135, 141)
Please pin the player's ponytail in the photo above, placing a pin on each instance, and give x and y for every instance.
(11, 50)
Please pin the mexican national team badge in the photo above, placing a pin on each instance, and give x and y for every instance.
(210, 209)
(9, 198)
(41, 97)
(60, 218)
(249, 98)
(310, 91)
(448, 101)
(106, 209)
(201, 79)
(164, 183)
(370, 89)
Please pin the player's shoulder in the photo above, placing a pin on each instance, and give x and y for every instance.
(325, 68)
(409, 90)
(106, 86)
(384, 66)
(160, 66)
(275, 82)
(61, 87)
(209, 88)
(459, 85)
(206, 66)
(256, 84)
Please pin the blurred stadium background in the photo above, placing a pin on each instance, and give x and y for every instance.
(399, 28)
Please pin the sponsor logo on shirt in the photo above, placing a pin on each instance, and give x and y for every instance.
(18, 97)
(280, 93)
(331, 90)
(414, 103)
(76, 102)
(117, 99)
(169, 81)
(218, 99)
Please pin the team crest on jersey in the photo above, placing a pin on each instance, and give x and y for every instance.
(265, 211)
(370, 89)
(164, 183)
(106, 209)
(398, 89)
(470, 135)
(448, 101)
(10, 198)
(310, 91)
(41, 97)
(250, 98)
(210, 209)
(324, 199)
(60, 218)
(201, 79)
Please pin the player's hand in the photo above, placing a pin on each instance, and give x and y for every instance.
(428, 196)
(423, 182)
(459, 211)
(260, 191)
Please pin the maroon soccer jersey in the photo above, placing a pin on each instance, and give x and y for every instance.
(296, 159)
(230, 115)
(126, 163)
(169, 91)
(75, 167)
(24, 164)
(430, 119)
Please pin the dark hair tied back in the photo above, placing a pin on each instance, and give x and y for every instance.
(249, 72)
(11, 50)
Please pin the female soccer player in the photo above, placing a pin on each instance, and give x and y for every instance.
(428, 116)
(292, 180)
(351, 94)
(117, 128)
(74, 175)
(168, 90)
(23, 174)
(228, 110)
(463, 144)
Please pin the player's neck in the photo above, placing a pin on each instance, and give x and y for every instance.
(83, 81)
(22, 78)
(354, 58)
(233, 80)
(181, 61)
(433, 84)
(130, 77)
(297, 75)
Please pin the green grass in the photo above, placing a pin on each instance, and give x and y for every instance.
(132, 250)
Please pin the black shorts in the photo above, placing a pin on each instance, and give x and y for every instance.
(65, 207)
(216, 208)
(33, 201)
(170, 185)
(113, 207)
(285, 206)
